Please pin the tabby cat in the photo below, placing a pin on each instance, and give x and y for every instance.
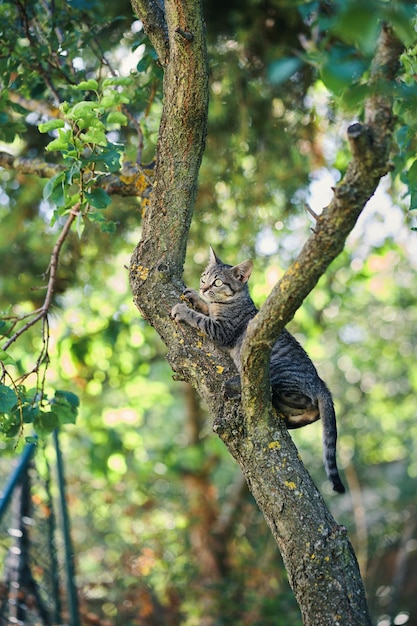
(223, 312)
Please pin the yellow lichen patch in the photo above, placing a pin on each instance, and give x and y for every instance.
(220, 369)
(199, 344)
(144, 206)
(208, 353)
(274, 445)
(290, 484)
(142, 272)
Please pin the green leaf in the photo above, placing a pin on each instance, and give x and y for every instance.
(65, 406)
(112, 98)
(402, 18)
(10, 426)
(110, 157)
(52, 184)
(412, 174)
(5, 356)
(281, 70)
(45, 423)
(338, 74)
(108, 227)
(82, 110)
(8, 399)
(57, 144)
(109, 100)
(98, 198)
(117, 80)
(30, 413)
(116, 117)
(404, 135)
(411, 179)
(32, 439)
(359, 24)
(87, 85)
(5, 330)
(71, 397)
(94, 135)
(51, 125)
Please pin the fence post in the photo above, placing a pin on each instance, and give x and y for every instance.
(15, 477)
(69, 552)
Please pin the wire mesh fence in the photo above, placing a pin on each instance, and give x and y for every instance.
(36, 574)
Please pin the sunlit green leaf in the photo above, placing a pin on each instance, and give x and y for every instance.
(5, 357)
(117, 117)
(51, 125)
(87, 85)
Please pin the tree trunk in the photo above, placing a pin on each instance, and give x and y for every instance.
(320, 561)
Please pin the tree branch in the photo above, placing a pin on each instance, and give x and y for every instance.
(133, 180)
(42, 313)
(152, 15)
(370, 144)
(179, 152)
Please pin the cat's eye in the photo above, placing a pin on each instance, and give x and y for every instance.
(218, 282)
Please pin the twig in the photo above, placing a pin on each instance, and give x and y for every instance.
(310, 210)
(52, 270)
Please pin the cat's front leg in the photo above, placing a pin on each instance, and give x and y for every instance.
(182, 313)
(196, 300)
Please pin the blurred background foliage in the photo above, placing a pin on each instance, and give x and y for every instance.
(164, 529)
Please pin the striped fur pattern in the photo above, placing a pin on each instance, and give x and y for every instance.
(222, 312)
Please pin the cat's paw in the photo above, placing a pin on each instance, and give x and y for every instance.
(192, 296)
(179, 312)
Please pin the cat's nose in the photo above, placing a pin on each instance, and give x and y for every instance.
(204, 289)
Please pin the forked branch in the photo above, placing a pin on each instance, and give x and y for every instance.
(370, 143)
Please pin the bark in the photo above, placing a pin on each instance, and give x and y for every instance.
(320, 561)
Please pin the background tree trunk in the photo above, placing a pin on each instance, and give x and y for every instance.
(320, 561)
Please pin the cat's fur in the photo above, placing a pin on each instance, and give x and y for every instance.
(224, 310)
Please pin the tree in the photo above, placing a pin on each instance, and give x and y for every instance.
(261, 445)
(249, 432)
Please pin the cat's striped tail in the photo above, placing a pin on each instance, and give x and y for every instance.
(328, 419)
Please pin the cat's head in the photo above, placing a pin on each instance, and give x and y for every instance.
(220, 282)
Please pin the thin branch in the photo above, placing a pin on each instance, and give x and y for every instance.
(38, 106)
(42, 313)
(30, 166)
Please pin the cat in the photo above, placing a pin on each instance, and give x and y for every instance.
(223, 312)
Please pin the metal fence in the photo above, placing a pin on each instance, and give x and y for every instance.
(37, 586)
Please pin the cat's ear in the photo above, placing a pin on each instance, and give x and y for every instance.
(243, 271)
(214, 258)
